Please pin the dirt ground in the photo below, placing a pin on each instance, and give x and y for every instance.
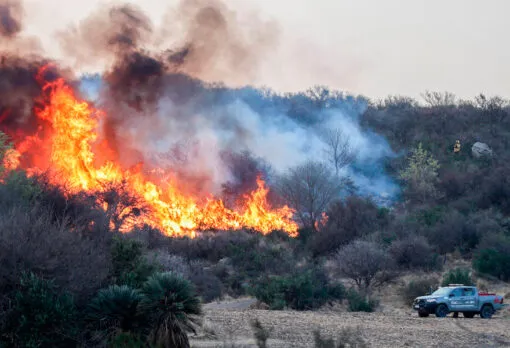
(227, 324)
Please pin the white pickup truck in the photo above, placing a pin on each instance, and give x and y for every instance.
(458, 298)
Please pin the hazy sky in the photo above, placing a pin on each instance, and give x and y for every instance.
(371, 47)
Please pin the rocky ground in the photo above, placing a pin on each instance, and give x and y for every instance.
(227, 324)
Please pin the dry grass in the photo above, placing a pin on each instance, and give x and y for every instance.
(394, 325)
(295, 329)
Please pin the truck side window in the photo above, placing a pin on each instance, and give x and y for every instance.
(456, 293)
(469, 292)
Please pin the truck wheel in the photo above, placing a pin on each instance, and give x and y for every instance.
(423, 314)
(468, 315)
(486, 312)
(442, 311)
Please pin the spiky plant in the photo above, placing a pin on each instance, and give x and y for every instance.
(116, 309)
(174, 308)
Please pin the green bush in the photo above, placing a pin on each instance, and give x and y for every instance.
(418, 287)
(127, 340)
(116, 307)
(26, 189)
(493, 262)
(457, 276)
(130, 267)
(40, 315)
(302, 291)
(359, 303)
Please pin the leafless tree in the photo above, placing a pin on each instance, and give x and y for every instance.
(363, 262)
(338, 149)
(319, 95)
(309, 188)
(435, 99)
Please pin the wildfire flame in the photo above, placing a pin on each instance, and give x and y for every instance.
(67, 156)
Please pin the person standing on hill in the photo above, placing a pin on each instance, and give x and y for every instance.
(456, 147)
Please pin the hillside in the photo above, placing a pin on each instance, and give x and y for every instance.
(450, 221)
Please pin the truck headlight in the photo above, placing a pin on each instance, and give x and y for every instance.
(431, 300)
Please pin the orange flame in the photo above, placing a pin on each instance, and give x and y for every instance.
(72, 165)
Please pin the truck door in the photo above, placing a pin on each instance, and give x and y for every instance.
(469, 299)
(456, 300)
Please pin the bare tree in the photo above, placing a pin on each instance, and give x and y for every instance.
(435, 99)
(319, 95)
(363, 262)
(338, 149)
(309, 188)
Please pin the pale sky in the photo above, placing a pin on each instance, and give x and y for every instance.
(371, 47)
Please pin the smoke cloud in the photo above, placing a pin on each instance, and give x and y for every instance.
(11, 13)
(166, 106)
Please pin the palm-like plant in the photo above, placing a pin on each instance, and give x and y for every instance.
(116, 308)
(172, 304)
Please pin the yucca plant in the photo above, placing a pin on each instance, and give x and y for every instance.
(116, 309)
(173, 307)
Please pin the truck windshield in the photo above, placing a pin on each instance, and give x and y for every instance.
(441, 292)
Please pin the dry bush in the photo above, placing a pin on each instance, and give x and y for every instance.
(260, 333)
(170, 262)
(347, 337)
(418, 286)
(347, 220)
(413, 252)
(365, 263)
(211, 246)
(32, 240)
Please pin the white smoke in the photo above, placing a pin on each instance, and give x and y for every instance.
(190, 140)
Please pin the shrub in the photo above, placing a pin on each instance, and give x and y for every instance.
(40, 315)
(347, 220)
(129, 265)
(61, 250)
(360, 303)
(212, 246)
(23, 189)
(116, 307)
(207, 284)
(413, 252)
(450, 233)
(457, 276)
(305, 290)
(493, 262)
(171, 304)
(260, 332)
(363, 262)
(418, 287)
(421, 175)
(347, 337)
(493, 257)
(127, 340)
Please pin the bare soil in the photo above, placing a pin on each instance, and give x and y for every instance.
(227, 324)
(395, 324)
